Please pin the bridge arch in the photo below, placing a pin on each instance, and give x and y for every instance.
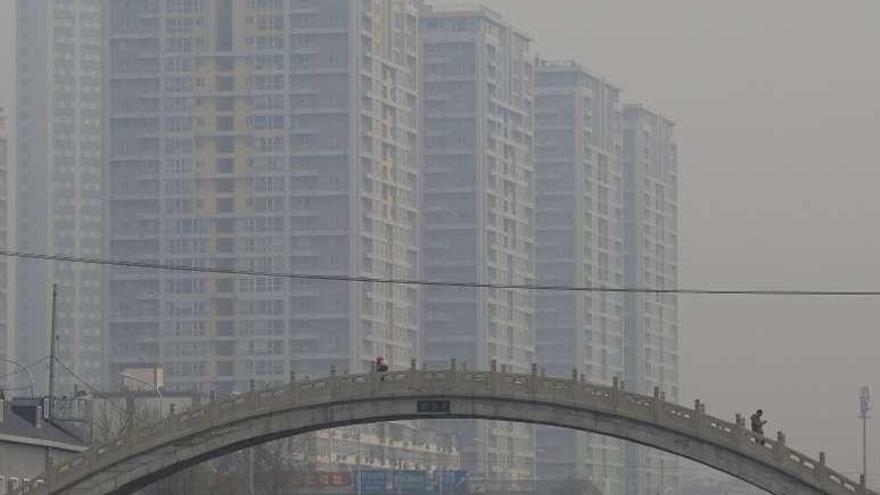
(146, 455)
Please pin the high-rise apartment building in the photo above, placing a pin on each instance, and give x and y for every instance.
(59, 182)
(7, 344)
(478, 210)
(268, 135)
(650, 239)
(578, 145)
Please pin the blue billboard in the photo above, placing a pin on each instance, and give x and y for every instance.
(372, 481)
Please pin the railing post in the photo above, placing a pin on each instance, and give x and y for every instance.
(657, 405)
(493, 376)
(779, 447)
(740, 423)
(533, 381)
(452, 372)
(697, 419)
(822, 470)
(615, 387)
(413, 374)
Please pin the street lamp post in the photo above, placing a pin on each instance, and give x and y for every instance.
(153, 385)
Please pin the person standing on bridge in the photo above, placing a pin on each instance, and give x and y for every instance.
(758, 423)
(381, 367)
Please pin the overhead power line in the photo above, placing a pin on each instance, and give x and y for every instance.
(441, 283)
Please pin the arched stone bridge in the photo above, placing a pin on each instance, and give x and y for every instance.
(154, 452)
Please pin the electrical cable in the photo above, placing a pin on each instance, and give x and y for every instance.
(441, 283)
(21, 369)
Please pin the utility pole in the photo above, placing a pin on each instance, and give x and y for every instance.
(52, 350)
(864, 407)
(49, 413)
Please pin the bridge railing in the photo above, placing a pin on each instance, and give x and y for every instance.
(533, 386)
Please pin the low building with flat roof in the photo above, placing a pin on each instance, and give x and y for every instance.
(26, 435)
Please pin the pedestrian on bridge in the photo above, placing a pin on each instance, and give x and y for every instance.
(381, 367)
(758, 423)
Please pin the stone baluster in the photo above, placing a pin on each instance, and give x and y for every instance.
(779, 448)
(452, 370)
(739, 430)
(533, 380)
(657, 405)
(615, 392)
(332, 382)
(822, 470)
(697, 418)
(413, 374)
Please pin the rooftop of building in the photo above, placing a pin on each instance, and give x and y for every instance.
(563, 65)
(644, 109)
(22, 421)
(469, 10)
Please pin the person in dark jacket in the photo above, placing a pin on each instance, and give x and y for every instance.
(381, 367)
(758, 423)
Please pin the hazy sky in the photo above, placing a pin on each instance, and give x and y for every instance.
(778, 106)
